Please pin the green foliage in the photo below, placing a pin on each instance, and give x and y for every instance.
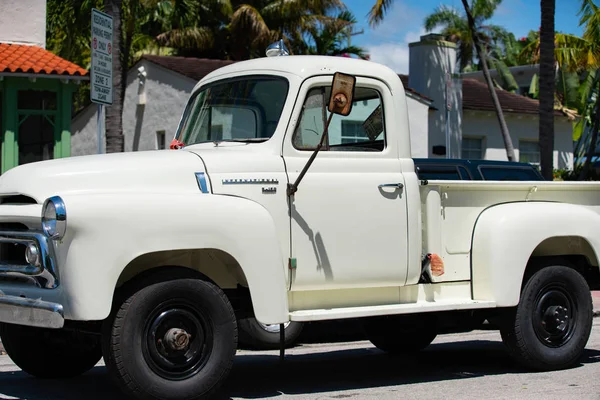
(455, 27)
(573, 174)
(222, 29)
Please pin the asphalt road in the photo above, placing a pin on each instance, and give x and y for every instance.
(463, 366)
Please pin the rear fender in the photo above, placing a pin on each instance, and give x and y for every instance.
(506, 235)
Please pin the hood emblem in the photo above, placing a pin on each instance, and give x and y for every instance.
(266, 181)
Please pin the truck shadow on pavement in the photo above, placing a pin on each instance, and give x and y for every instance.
(262, 375)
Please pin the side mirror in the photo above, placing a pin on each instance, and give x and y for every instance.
(342, 93)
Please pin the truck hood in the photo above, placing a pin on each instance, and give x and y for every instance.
(238, 158)
(143, 171)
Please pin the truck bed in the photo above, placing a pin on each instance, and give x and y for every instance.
(450, 210)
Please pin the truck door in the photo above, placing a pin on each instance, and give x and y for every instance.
(349, 216)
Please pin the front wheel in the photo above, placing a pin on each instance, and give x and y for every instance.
(172, 340)
(552, 322)
(51, 353)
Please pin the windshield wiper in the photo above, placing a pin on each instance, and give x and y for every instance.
(245, 140)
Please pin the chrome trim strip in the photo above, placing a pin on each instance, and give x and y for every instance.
(30, 312)
(201, 178)
(46, 272)
(265, 181)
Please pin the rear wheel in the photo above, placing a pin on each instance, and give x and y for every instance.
(551, 325)
(401, 334)
(172, 340)
(50, 353)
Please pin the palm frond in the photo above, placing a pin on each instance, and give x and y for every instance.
(187, 38)
(590, 17)
(378, 11)
(444, 15)
(249, 20)
(484, 9)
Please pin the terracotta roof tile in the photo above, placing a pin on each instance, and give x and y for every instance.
(18, 58)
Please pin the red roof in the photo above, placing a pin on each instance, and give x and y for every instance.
(18, 58)
(476, 96)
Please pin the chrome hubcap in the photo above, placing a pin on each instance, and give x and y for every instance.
(273, 328)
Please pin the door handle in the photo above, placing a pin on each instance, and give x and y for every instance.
(394, 185)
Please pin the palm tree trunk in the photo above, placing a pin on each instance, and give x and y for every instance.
(510, 151)
(126, 47)
(114, 113)
(593, 141)
(546, 111)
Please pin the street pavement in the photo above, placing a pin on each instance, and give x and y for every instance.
(474, 365)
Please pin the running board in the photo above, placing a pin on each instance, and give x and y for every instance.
(391, 309)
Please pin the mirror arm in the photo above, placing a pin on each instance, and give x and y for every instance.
(293, 188)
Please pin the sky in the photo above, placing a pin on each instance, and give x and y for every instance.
(388, 42)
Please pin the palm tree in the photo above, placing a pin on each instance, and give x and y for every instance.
(235, 29)
(546, 105)
(455, 27)
(330, 37)
(590, 16)
(510, 152)
(114, 113)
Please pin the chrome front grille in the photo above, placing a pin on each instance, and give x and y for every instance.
(12, 258)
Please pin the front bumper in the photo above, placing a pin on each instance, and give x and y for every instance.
(31, 312)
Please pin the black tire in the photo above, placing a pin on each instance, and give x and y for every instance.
(532, 333)
(137, 350)
(259, 337)
(401, 334)
(50, 353)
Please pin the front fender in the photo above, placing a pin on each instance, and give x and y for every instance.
(506, 235)
(105, 232)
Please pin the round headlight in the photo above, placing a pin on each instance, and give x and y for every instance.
(54, 218)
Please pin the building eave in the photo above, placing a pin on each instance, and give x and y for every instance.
(44, 76)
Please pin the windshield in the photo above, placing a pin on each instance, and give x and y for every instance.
(244, 109)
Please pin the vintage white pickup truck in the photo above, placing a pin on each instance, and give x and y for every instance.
(151, 259)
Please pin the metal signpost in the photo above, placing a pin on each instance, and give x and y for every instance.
(101, 85)
(448, 88)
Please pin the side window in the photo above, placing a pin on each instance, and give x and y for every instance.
(362, 130)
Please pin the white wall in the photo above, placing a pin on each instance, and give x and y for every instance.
(166, 96)
(520, 126)
(23, 22)
(418, 121)
(430, 60)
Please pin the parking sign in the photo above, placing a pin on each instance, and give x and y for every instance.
(101, 85)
